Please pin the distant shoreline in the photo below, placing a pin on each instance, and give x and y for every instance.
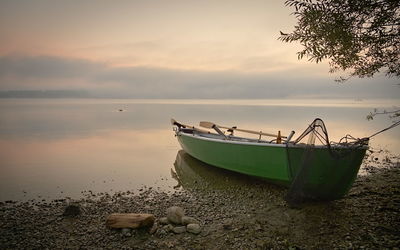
(284, 102)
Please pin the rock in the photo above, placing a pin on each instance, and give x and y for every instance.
(257, 227)
(189, 220)
(179, 230)
(168, 227)
(163, 220)
(126, 232)
(130, 220)
(227, 224)
(193, 228)
(154, 228)
(175, 214)
(161, 232)
(72, 210)
(261, 243)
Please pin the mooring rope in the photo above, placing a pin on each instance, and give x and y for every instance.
(383, 130)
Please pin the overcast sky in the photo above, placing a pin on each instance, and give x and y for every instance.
(164, 49)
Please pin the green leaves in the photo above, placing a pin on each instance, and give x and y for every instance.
(362, 36)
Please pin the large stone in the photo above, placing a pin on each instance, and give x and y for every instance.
(130, 220)
(189, 220)
(175, 214)
(193, 228)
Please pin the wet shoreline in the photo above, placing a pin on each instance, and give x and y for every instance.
(231, 216)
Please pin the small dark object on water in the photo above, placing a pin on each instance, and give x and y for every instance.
(72, 210)
(120, 110)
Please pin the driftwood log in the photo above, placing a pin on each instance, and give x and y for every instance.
(130, 220)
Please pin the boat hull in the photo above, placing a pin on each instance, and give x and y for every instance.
(325, 178)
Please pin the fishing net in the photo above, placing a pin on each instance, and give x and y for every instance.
(320, 169)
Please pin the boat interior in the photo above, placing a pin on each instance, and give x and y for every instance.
(218, 136)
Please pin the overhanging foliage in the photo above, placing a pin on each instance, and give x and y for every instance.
(361, 36)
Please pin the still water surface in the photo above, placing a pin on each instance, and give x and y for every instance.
(55, 148)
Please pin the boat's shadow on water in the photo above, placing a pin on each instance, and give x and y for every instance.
(195, 175)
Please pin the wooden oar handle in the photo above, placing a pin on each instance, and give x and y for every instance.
(252, 131)
(211, 125)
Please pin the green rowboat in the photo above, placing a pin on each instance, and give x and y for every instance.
(322, 172)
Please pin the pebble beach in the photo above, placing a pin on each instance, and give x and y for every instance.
(252, 216)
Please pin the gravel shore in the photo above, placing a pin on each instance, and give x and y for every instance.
(246, 216)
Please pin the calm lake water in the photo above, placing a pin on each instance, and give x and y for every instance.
(56, 148)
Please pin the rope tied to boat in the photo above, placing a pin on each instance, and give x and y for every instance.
(385, 129)
(351, 140)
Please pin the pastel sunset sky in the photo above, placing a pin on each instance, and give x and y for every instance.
(164, 49)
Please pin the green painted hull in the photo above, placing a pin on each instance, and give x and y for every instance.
(327, 178)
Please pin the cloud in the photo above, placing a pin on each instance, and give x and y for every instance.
(140, 82)
(43, 67)
(101, 80)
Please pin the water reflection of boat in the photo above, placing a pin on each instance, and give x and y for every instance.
(315, 171)
(193, 174)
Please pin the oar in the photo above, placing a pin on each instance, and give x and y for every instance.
(174, 122)
(211, 125)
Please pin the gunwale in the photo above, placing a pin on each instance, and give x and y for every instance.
(203, 136)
